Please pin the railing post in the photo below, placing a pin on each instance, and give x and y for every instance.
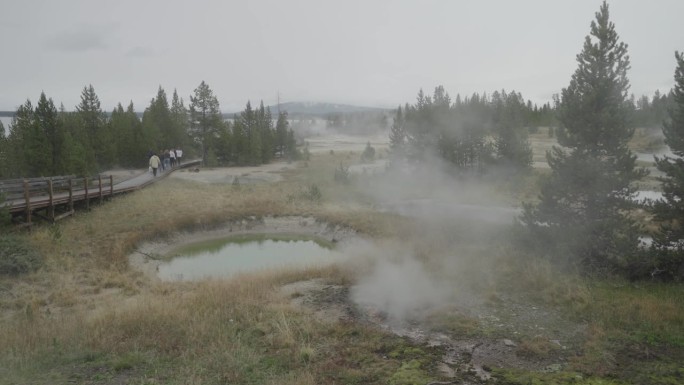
(51, 208)
(87, 197)
(111, 185)
(27, 198)
(99, 182)
(71, 195)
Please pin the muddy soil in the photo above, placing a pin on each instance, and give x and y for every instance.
(511, 326)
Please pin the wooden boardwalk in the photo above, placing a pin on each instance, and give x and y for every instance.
(54, 198)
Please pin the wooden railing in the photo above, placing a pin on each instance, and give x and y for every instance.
(31, 195)
(53, 198)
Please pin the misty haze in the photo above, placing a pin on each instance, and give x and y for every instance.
(353, 193)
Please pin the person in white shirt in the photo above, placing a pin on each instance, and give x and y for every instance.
(179, 155)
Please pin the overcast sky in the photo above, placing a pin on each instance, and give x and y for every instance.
(364, 52)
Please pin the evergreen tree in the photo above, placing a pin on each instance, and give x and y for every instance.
(282, 125)
(205, 117)
(291, 146)
(131, 146)
(397, 135)
(368, 154)
(179, 121)
(581, 216)
(99, 138)
(157, 123)
(224, 148)
(28, 143)
(4, 156)
(48, 126)
(266, 133)
(77, 155)
(162, 116)
(513, 148)
(240, 141)
(670, 210)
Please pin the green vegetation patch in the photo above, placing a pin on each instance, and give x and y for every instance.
(17, 256)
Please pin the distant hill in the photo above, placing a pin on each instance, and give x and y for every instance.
(315, 109)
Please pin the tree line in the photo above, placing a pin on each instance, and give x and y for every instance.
(479, 131)
(471, 133)
(45, 141)
(585, 216)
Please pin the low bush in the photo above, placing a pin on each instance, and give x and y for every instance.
(17, 257)
(5, 217)
(342, 174)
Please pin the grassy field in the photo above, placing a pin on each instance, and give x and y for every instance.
(86, 317)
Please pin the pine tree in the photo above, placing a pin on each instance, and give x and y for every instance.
(158, 124)
(282, 126)
(4, 156)
(397, 135)
(48, 127)
(131, 147)
(291, 146)
(513, 148)
(78, 154)
(28, 143)
(581, 217)
(266, 133)
(670, 210)
(224, 145)
(205, 117)
(94, 122)
(179, 121)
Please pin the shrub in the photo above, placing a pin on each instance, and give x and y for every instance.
(342, 174)
(5, 217)
(368, 154)
(17, 257)
(313, 193)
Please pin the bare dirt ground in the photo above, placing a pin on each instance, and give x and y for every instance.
(342, 142)
(267, 173)
(473, 355)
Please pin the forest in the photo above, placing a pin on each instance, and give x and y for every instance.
(45, 141)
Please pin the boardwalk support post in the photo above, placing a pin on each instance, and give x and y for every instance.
(51, 207)
(99, 182)
(87, 196)
(71, 195)
(27, 198)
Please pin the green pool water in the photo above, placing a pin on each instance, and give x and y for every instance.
(229, 256)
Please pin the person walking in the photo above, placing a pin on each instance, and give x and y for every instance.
(179, 155)
(172, 155)
(167, 159)
(154, 163)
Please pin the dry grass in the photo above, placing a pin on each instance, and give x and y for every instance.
(86, 314)
(85, 299)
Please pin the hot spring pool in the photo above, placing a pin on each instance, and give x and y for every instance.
(226, 257)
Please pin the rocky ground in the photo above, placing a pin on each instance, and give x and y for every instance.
(513, 328)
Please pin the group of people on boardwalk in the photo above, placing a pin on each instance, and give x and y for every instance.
(166, 159)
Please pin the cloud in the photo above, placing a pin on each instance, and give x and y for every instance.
(79, 39)
(139, 51)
